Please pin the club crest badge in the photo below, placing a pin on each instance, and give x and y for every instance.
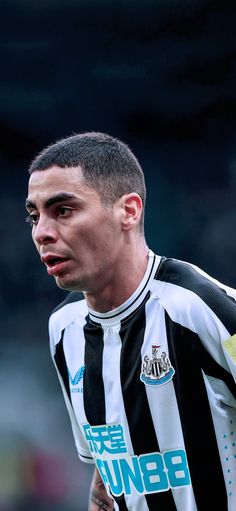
(158, 369)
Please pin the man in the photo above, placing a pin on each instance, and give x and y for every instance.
(147, 361)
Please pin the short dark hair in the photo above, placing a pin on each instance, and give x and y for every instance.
(108, 165)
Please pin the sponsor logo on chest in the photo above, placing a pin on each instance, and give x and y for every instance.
(124, 473)
(76, 381)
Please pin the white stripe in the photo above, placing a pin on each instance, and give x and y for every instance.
(187, 309)
(115, 410)
(162, 401)
(223, 405)
(61, 318)
(74, 355)
(81, 447)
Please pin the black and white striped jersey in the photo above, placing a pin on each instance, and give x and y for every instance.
(150, 389)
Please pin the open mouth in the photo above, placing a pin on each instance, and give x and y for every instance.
(56, 265)
(54, 260)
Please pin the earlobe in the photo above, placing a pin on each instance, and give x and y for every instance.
(132, 211)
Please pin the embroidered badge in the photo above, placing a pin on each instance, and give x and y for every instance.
(158, 369)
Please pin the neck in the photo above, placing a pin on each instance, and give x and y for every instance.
(127, 276)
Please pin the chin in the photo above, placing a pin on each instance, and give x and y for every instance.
(68, 284)
(64, 283)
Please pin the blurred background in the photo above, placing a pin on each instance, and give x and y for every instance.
(160, 75)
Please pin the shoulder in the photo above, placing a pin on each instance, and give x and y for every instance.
(72, 297)
(73, 308)
(192, 278)
(187, 291)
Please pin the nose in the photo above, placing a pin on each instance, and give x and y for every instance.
(44, 232)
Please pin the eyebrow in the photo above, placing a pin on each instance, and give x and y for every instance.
(59, 197)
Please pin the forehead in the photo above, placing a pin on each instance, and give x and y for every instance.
(45, 183)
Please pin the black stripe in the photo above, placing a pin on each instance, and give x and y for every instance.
(121, 503)
(184, 275)
(94, 396)
(61, 364)
(198, 429)
(138, 414)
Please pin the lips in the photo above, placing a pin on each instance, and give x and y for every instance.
(54, 260)
(55, 264)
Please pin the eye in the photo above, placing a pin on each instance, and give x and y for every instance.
(64, 211)
(32, 219)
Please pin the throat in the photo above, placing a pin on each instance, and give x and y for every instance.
(119, 287)
(105, 301)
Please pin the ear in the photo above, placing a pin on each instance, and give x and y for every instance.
(132, 209)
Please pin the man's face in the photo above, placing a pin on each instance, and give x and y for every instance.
(78, 239)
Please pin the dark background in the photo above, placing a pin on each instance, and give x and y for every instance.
(160, 75)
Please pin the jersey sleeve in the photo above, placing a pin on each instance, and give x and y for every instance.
(205, 306)
(214, 320)
(229, 348)
(82, 449)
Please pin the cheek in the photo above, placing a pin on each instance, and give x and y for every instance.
(98, 242)
(83, 240)
(99, 234)
(35, 242)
